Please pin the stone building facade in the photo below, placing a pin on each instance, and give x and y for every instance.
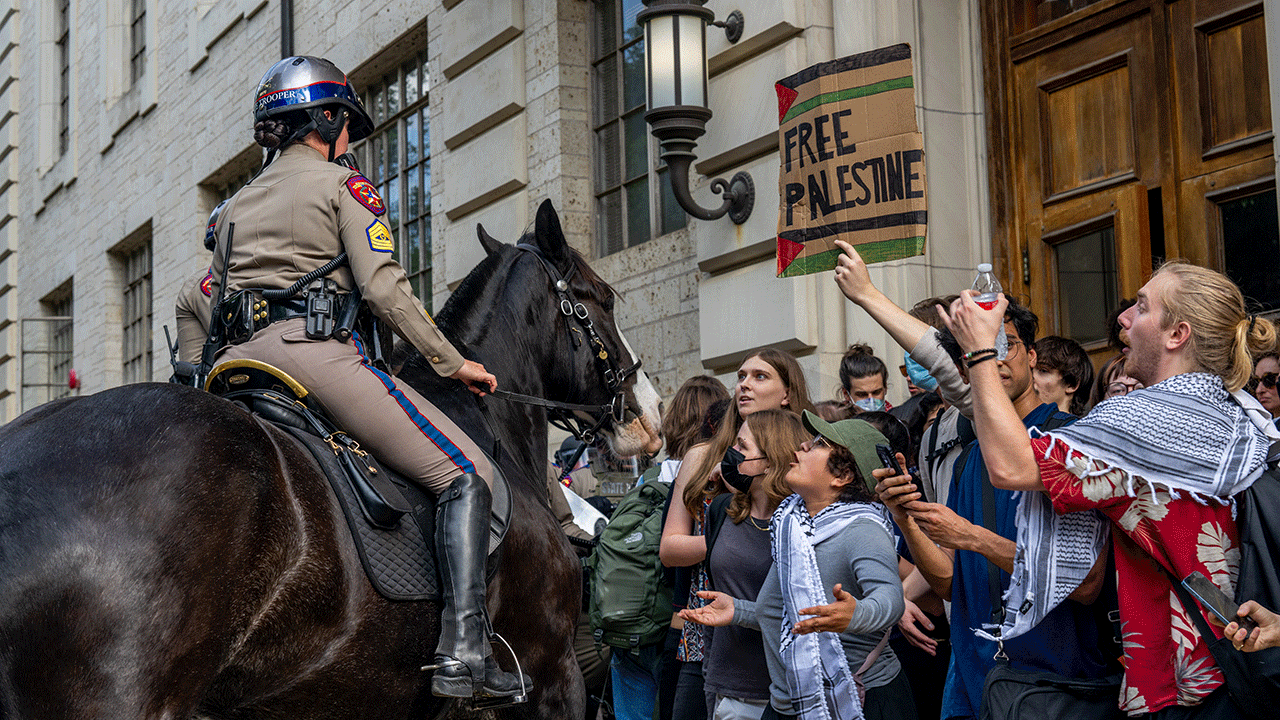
(123, 122)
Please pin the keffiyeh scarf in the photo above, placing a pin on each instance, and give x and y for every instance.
(818, 676)
(1183, 434)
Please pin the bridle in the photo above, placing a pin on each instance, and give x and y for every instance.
(561, 414)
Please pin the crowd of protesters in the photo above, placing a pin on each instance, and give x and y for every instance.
(1037, 508)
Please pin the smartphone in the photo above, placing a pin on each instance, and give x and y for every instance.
(1216, 601)
(888, 459)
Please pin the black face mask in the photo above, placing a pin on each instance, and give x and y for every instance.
(733, 458)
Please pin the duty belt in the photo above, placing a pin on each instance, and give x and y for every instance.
(287, 309)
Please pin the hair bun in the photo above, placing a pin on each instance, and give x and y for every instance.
(270, 133)
(1260, 334)
(857, 349)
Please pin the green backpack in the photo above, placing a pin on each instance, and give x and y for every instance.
(630, 603)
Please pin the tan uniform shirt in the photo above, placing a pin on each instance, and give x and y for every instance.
(300, 213)
(192, 315)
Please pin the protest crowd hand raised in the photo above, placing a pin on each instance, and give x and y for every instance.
(852, 276)
(942, 525)
(899, 493)
(973, 327)
(833, 617)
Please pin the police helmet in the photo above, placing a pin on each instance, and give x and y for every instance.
(311, 84)
(211, 237)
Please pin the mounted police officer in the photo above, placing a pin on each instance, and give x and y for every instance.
(191, 310)
(301, 212)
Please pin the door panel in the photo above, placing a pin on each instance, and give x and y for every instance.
(1067, 291)
(1081, 107)
(1124, 126)
(1219, 59)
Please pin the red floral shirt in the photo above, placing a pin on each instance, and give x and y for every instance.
(1166, 661)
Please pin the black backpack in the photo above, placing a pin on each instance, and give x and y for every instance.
(1253, 679)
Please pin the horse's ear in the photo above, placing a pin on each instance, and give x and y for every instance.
(491, 246)
(548, 235)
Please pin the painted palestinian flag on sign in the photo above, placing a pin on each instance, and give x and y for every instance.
(852, 162)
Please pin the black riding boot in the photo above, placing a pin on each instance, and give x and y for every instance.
(462, 544)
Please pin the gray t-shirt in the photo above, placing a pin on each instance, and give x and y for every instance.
(734, 664)
(863, 559)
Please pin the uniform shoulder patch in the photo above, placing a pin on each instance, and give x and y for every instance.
(380, 237)
(206, 285)
(364, 193)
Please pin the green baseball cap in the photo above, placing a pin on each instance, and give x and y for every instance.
(859, 437)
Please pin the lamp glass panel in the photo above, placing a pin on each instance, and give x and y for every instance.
(660, 46)
(691, 37)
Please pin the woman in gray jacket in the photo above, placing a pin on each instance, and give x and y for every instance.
(831, 534)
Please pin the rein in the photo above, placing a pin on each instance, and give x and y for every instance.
(561, 414)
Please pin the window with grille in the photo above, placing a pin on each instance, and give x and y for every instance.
(137, 40)
(633, 204)
(136, 314)
(46, 350)
(397, 160)
(64, 76)
(60, 344)
(225, 190)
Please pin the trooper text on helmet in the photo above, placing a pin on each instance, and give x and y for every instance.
(308, 86)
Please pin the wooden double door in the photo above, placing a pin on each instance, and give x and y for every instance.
(1125, 132)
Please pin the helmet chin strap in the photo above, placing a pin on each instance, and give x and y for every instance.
(330, 128)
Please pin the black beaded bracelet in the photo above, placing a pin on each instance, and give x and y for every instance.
(975, 353)
(982, 358)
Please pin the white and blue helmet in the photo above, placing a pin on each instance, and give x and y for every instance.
(312, 84)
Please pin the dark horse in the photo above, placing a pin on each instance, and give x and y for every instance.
(165, 555)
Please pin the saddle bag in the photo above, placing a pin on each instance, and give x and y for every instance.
(380, 502)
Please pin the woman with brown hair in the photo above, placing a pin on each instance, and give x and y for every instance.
(831, 537)
(767, 380)
(738, 559)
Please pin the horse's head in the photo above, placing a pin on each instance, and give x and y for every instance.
(587, 360)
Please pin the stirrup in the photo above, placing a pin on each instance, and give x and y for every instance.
(491, 703)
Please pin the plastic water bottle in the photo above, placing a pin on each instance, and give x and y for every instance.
(986, 289)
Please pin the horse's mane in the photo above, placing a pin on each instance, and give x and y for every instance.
(470, 286)
(602, 291)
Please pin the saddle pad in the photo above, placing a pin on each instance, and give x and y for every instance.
(399, 562)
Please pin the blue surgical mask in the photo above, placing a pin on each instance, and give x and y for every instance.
(920, 377)
(871, 404)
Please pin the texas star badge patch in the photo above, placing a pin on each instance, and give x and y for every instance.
(380, 237)
(206, 285)
(362, 190)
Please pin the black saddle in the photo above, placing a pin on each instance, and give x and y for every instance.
(392, 520)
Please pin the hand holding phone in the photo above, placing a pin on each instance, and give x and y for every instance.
(889, 460)
(1216, 601)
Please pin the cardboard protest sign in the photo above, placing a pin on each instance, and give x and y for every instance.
(852, 162)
